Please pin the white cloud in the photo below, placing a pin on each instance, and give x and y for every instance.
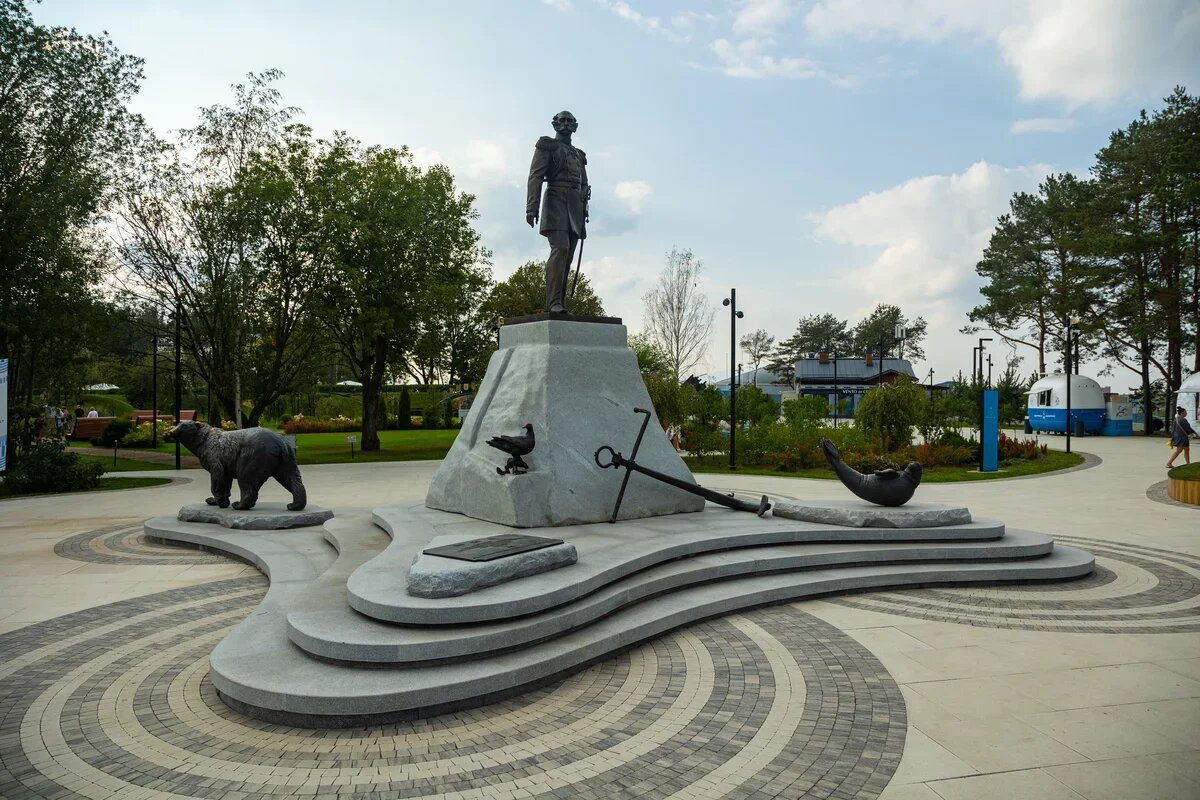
(426, 157)
(745, 59)
(1081, 52)
(762, 16)
(1043, 125)
(646, 22)
(932, 231)
(484, 161)
(632, 193)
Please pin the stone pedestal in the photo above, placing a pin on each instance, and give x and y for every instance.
(861, 514)
(263, 517)
(577, 383)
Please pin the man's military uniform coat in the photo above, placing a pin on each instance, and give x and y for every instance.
(563, 168)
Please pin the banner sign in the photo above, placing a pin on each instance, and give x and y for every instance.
(3, 414)
(990, 436)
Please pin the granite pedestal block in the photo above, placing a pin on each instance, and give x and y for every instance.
(578, 384)
(438, 576)
(861, 514)
(263, 517)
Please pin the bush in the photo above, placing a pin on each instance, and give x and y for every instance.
(115, 432)
(431, 417)
(888, 413)
(303, 424)
(334, 405)
(404, 411)
(50, 467)
(143, 435)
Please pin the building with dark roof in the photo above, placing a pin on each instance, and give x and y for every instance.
(847, 379)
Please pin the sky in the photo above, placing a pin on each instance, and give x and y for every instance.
(816, 155)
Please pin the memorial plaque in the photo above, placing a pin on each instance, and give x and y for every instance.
(490, 548)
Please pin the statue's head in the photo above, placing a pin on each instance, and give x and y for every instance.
(565, 122)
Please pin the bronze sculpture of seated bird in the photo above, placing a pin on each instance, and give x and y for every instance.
(515, 446)
(887, 487)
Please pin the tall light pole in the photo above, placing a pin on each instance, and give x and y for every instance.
(178, 377)
(989, 378)
(837, 392)
(734, 316)
(981, 349)
(154, 392)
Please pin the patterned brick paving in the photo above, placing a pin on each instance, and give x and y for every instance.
(1135, 589)
(114, 702)
(127, 544)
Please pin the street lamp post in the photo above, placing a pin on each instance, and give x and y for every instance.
(734, 316)
(837, 391)
(178, 378)
(989, 378)
(154, 391)
(981, 349)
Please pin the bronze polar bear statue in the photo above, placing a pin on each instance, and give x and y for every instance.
(251, 456)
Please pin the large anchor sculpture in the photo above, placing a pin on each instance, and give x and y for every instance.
(617, 460)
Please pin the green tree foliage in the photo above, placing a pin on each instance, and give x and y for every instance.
(813, 333)
(225, 226)
(524, 293)
(668, 397)
(805, 412)
(1040, 265)
(65, 134)
(882, 322)
(889, 412)
(754, 407)
(1121, 252)
(396, 234)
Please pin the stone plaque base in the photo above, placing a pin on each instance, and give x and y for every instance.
(435, 575)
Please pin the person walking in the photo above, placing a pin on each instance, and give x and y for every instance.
(1179, 438)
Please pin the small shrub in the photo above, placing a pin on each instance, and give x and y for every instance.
(115, 432)
(866, 461)
(336, 405)
(431, 417)
(303, 424)
(404, 411)
(229, 425)
(50, 467)
(888, 413)
(143, 435)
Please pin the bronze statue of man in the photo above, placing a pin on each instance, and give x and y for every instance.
(563, 168)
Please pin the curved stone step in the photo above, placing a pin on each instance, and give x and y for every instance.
(335, 631)
(607, 553)
(259, 671)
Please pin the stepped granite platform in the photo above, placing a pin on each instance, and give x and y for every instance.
(338, 641)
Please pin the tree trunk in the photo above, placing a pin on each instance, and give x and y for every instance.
(372, 385)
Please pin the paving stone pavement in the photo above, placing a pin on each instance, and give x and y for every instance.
(1089, 689)
(114, 701)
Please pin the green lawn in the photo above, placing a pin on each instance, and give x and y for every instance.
(332, 448)
(123, 464)
(1054, 460)
(1187, 472)
(106, 485)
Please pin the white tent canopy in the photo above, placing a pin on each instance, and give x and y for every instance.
(100, 387)
(348, 383)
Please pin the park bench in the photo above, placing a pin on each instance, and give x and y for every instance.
(145, 415)
(89, 427)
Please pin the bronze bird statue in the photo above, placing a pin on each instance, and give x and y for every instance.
(515, 446)
(887, 487)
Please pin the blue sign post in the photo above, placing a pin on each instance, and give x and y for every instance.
(3, 414)
(990, 436)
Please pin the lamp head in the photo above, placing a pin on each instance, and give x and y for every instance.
(725, 302)
(740, 315)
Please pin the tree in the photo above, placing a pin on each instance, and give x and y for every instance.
(666, 394)
(889, 411)
(395, 235)
(814, 333)
(1040, 266)
(679, 317)
(524, 293)
(226, 227)
(65, 134)
(757, 346)
(881, 323)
